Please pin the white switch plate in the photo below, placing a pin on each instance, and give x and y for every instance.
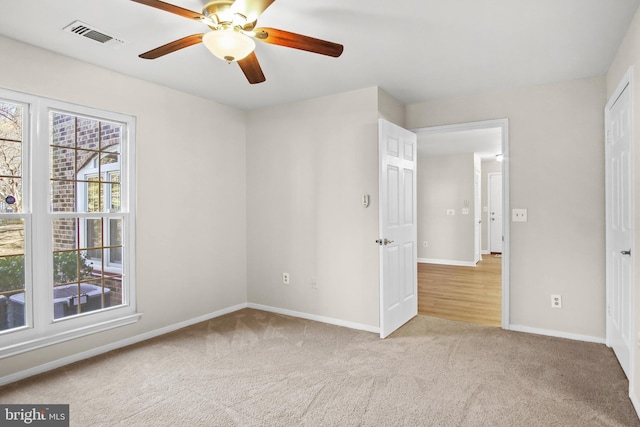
(465, 211)
(519, 215)
(451, 211)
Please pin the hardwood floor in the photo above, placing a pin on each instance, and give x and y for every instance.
(468, 294)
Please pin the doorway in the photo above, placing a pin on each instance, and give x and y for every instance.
(449, 206)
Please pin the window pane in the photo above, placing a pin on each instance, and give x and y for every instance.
(65, 233)
(11, 192)
(95, 195)
(11, 121)
(63, 129)
(115, 240)
(62, 164)
(12, 278)
(63, 196)
(114, 189)
(10, 157)
(94, 238)
(85, 159)
(88, 133)
(110, 137)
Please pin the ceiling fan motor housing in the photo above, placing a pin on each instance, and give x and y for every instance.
(224, 18)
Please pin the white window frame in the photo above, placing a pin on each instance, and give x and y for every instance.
(40, 328)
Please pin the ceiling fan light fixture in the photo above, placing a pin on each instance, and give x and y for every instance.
(228, 45)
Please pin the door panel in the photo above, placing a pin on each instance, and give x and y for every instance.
(398, 232)
(619, 229)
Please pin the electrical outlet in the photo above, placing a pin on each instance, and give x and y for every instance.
(519, 215)
(425, 244)
(314, 282)
(285, 278)
(556, 301)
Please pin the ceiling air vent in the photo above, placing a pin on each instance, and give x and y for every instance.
(86, 30)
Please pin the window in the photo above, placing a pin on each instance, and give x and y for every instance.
(66, 221)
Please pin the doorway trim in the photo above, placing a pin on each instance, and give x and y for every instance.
(503, 124)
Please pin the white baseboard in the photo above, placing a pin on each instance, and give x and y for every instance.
(447, 262)
(485, 252)
(322, 319)
(114, 346)
(557, 334)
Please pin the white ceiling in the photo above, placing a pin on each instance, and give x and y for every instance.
(414, 49)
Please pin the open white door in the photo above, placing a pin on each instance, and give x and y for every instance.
(398, 231)
(619, 224)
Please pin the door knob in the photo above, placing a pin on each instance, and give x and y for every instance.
(626, 252)
(383, 242)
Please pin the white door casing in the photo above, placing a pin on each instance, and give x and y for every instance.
(398, 230)
(503, 124)
(494, 197)
(619, 223)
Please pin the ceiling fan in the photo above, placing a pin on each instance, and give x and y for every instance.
(233, 30)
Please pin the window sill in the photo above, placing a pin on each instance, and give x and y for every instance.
(15, 349)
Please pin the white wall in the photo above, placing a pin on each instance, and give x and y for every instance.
(444, 183)
(191, 236)
(308, 163)
(390, 108)
(629, 56)
(557, 173)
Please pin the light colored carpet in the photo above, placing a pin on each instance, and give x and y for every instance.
(253, 368)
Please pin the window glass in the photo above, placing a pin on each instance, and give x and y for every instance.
(86, 179)
(12, 225)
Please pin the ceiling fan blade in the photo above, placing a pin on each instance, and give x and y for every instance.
(298, 41)
(172, 47)
(251, 68)
(185, 13)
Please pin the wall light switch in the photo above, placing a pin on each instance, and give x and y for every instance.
(451, 211)
(519, 215)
